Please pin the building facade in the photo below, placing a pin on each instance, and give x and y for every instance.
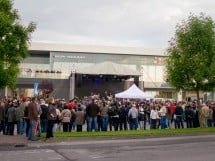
(56, 63)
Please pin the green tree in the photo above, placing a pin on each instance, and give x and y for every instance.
(14, 42)
(191, 55)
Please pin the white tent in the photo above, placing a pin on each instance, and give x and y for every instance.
(134, 93)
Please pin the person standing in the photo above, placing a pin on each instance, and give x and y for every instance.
(91, 111)
(43, 116)
(66, 118)
(21, 121)
(52, 117)
(123, 117)
(104, 115)
(17, 117)
(115, 115)
(79, 119)
(2, 117)
(210, 116)
(189, 115)
(33, 118)
(153, 117)
(142, 118)
(133, 115)
(204, 113)
(27, 120)
(162, 113)
(11, 118)
(179, 114)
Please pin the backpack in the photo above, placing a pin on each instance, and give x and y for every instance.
(52, 113)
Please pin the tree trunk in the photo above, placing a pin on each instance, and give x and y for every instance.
(199, 109)
(198, 98)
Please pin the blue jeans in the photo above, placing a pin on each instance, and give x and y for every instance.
(179, 122)
(92, 123)
(31, 135)
(73, 125)
(168, 123)
(134, 124)
(21, 126)
(2, 127)
(210, 122)
(142, 124)
(163, 122)
(43, 124)
(104, 123)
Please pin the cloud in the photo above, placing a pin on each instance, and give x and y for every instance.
(146, 23)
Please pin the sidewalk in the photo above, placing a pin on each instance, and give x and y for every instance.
(13, 140)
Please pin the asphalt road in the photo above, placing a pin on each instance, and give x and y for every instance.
(186, 148)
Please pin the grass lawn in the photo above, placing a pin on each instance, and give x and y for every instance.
(135, 133)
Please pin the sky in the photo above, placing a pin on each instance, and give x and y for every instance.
(130, 23)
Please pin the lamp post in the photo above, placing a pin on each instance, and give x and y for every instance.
(72, 83)
(142, 78)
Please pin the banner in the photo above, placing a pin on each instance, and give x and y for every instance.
(36, 89)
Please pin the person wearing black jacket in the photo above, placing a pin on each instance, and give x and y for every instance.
(142, 117)
(43, 116)
(114, 113)
(189, 115)
(51, 116)
(92, 110)
(2, 117)
(123, 117)
(179, 115)
(213, 107)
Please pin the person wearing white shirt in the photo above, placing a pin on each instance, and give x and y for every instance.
(162, 113)
(153, 116)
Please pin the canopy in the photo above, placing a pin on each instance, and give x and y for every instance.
(134, 92)
(108, 68)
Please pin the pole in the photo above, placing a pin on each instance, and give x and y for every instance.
(72, 86)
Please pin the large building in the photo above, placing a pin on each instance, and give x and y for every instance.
(95, 68)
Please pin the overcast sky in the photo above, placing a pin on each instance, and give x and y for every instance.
(142, 23)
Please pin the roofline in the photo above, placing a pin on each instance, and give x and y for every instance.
(41, 46)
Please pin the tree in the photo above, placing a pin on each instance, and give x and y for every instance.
(14, 41)
(191, 55)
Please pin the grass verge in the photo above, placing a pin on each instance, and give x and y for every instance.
(135, 133)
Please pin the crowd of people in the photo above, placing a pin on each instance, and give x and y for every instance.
(33, 116)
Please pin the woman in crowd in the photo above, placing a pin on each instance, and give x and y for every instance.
(66, 118)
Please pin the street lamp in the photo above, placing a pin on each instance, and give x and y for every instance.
(142, 78)
(72, 83)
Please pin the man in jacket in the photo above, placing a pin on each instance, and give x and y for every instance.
(178, 114)
(91, 111)
(204, 113)
(2, 117)
(133, 115)
(21, 121)
(33, 116)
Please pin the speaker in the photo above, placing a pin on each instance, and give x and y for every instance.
(79, 80)
(136, 81)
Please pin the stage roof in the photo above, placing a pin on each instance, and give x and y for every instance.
(108, 68)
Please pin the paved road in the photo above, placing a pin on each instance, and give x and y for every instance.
(190, 148)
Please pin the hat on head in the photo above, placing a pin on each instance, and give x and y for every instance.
(24, 99)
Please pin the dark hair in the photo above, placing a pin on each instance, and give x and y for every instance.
(65, 106)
